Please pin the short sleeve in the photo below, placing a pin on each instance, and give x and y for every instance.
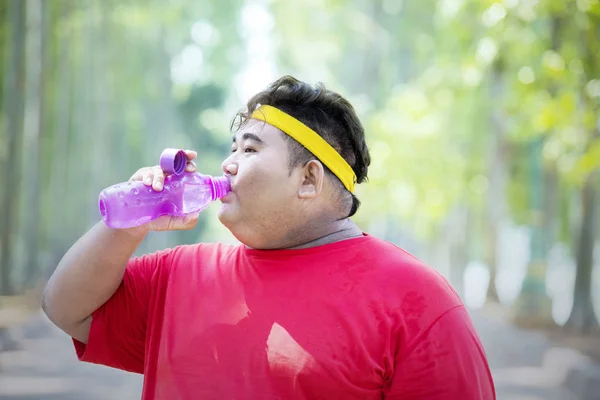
(118, 329)
(447, 362)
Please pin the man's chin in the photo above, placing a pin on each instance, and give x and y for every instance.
(226, 214)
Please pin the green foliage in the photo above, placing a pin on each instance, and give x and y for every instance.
(452, 95)
(109, 106)
(430, 127)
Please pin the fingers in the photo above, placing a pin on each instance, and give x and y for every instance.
(188, 222)
(191, 165)
(150, 176)
(191, 154)
(183, 223)
(157, 180)
(140, 174)
(169, 223)
(155, 176)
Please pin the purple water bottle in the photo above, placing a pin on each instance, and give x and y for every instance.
(130, 204)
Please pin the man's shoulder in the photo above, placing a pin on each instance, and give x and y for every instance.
(417, 293)
(404, 271)
(390, 255)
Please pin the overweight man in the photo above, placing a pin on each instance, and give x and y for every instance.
(307, 306)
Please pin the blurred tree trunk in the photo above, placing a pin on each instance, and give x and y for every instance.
(374, 77)
(551, 195)
(79, 151)
(75, 148)
(103, 89)
(551, 199)
(62, 101)
(458, 236)
(496, 201)
(15, 95)
(4, 26)
(92, 135)
(534, 306)
(39, 34)
(50, 115)
(583, 318)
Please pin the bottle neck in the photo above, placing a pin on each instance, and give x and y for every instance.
(220, 187)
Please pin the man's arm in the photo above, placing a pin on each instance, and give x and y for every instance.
(447, 362)
(87, 276)
(92, 270)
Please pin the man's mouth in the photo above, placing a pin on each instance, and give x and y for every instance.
(224, 198)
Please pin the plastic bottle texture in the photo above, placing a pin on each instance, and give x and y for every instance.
(130, 204)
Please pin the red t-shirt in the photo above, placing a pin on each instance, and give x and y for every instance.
(355, 319)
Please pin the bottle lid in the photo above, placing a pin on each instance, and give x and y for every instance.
(173, 161)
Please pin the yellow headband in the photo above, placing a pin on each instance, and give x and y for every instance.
(309, 139)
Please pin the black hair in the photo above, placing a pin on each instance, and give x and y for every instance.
(327, 113)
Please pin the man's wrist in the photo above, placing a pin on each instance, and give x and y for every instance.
(137, 232)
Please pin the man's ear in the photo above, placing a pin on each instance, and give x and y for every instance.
(312, 183)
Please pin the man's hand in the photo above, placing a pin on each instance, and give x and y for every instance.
(155, 177)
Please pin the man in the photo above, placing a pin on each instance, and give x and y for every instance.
(307, 307)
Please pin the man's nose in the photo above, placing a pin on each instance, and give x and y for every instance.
(229, 167)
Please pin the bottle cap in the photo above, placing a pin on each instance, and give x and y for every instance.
(173, 161)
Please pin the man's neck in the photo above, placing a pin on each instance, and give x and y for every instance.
(341, 230)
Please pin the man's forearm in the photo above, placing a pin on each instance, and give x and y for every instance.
(88, 274)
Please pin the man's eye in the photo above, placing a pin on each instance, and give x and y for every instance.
(246, 150)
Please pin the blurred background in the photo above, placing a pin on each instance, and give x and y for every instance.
(482, 117)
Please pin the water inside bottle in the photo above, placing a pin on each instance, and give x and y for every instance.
(195, 197)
